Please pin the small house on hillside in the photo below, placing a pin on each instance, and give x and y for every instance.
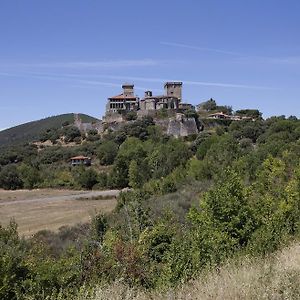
(80, 160)
(219, 116)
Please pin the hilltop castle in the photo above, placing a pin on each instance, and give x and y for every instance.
(127, 101)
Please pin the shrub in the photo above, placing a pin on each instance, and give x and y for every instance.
(87, 178)
(10, 178)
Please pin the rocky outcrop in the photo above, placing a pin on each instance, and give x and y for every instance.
(177, 125)
(182, 126)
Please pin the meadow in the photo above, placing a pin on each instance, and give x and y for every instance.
(50, 209)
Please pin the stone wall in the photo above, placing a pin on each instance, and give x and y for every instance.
(182, 126)
(177, 125)
(113, 117)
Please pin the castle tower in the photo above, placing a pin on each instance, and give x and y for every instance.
(174, 89)
(128, 90)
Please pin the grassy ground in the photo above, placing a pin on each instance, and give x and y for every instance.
(275, 277)
(50, 209)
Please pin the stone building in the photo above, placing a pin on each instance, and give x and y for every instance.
(170, 100)
(126, 101)
(174, 89)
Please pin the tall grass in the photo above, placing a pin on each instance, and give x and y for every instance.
(274, 277)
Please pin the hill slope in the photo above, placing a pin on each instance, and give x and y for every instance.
(30, 131)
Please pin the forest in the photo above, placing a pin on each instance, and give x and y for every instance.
(230, 192)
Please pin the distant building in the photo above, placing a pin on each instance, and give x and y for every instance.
(222, 116)
(186, 106)
(126, 101)
(80, 160)
(219, 116)
(170, 100)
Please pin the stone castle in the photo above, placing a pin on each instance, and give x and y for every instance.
(127, 101)
(175, 122)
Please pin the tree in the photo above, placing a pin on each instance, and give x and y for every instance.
(29, 175)
(205, 145)
(107, 152)
(251, 113)
(70, 133)
(87, 178)
(10, 178)
(209, 105)
(134, 175)
(13, 266)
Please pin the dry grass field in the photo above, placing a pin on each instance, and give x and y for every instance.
(274, 277)
(50, 209)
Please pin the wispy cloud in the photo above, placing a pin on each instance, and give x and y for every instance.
(86, 79)
(186, 82)
(290, 60)
(179, 45)
(105, 64)
(96, 83)
(246, 58)
(75, 80)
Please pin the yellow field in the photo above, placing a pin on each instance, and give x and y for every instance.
(50, 209)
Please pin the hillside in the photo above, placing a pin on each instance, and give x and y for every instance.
(188, 205)
(30, 131)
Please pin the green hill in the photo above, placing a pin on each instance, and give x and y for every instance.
(30, 131)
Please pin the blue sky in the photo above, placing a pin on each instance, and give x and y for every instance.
(59, 56)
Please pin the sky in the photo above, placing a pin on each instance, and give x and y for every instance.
(61, 56)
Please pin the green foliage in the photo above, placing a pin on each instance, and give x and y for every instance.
(209, 105)
(30, 176)
(70, 133)
(99, 227)
(252, 113)
(226, 208)
(107, 152)
(192, 204)
(133, 175)
(139, 128)
(130, 116)
(92, 136)
(13, 266)
(10, 178)
(205, 145)
(87, 178)
(247, 129)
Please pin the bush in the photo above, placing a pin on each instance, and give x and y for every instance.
(87, 178)
(10, 178)
(70, 133)
(13, 266)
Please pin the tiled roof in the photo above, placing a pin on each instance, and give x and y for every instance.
(122, 96)
(80, 157)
